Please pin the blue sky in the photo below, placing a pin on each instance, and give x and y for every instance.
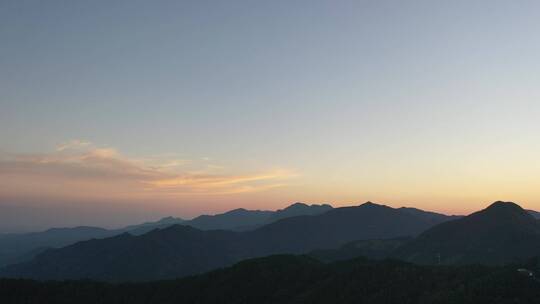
(431, 103)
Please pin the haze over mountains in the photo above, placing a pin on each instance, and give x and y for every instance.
(500, 234)
(16, 248)
(20, 247)
(181, 250)
(503, 233)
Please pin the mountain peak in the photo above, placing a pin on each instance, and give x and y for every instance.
(501, 208)
(237, 211)
(170, 219)
(504, 205)
(371, 204)
(297, 205)
(505, 212)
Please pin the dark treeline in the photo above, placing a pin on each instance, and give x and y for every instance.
(299, 279)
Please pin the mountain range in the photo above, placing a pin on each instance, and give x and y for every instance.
(21, 247)
(181, 250)
(16, 248)
(242, 219)
(500, 234)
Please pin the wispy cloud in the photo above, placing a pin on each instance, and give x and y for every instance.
(73, 144)
(221, 183)
(79, 167)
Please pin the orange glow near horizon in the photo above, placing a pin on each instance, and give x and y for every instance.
(79, 173)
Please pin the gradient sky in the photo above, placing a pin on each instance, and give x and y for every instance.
(114, 112)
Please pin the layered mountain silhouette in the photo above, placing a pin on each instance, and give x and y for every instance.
(297, 209)
(16, 248)
(149, 226)
(499, 234)
(181, 250)
(334, 228)
(165, 253)
(237, 219)
(20, 247)
(242, 219)
(432, 217)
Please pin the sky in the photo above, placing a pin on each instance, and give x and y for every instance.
(116, 112)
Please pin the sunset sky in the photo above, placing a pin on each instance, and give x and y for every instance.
(116, 112)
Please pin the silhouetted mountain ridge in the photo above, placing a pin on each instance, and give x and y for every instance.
(334, 228)
(501, 233)
(297, 209)
(242, 219)
(182, 250)
(432, 217)
(16, 248)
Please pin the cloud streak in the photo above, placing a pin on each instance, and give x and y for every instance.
(79, 168)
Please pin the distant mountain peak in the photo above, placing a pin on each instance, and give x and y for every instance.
(506, 214)
(303, 206)
(502, 209)
(371, 204)
(169, 219)
(504, 205)
(237, 210)
(297, 205)
(300, 208)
